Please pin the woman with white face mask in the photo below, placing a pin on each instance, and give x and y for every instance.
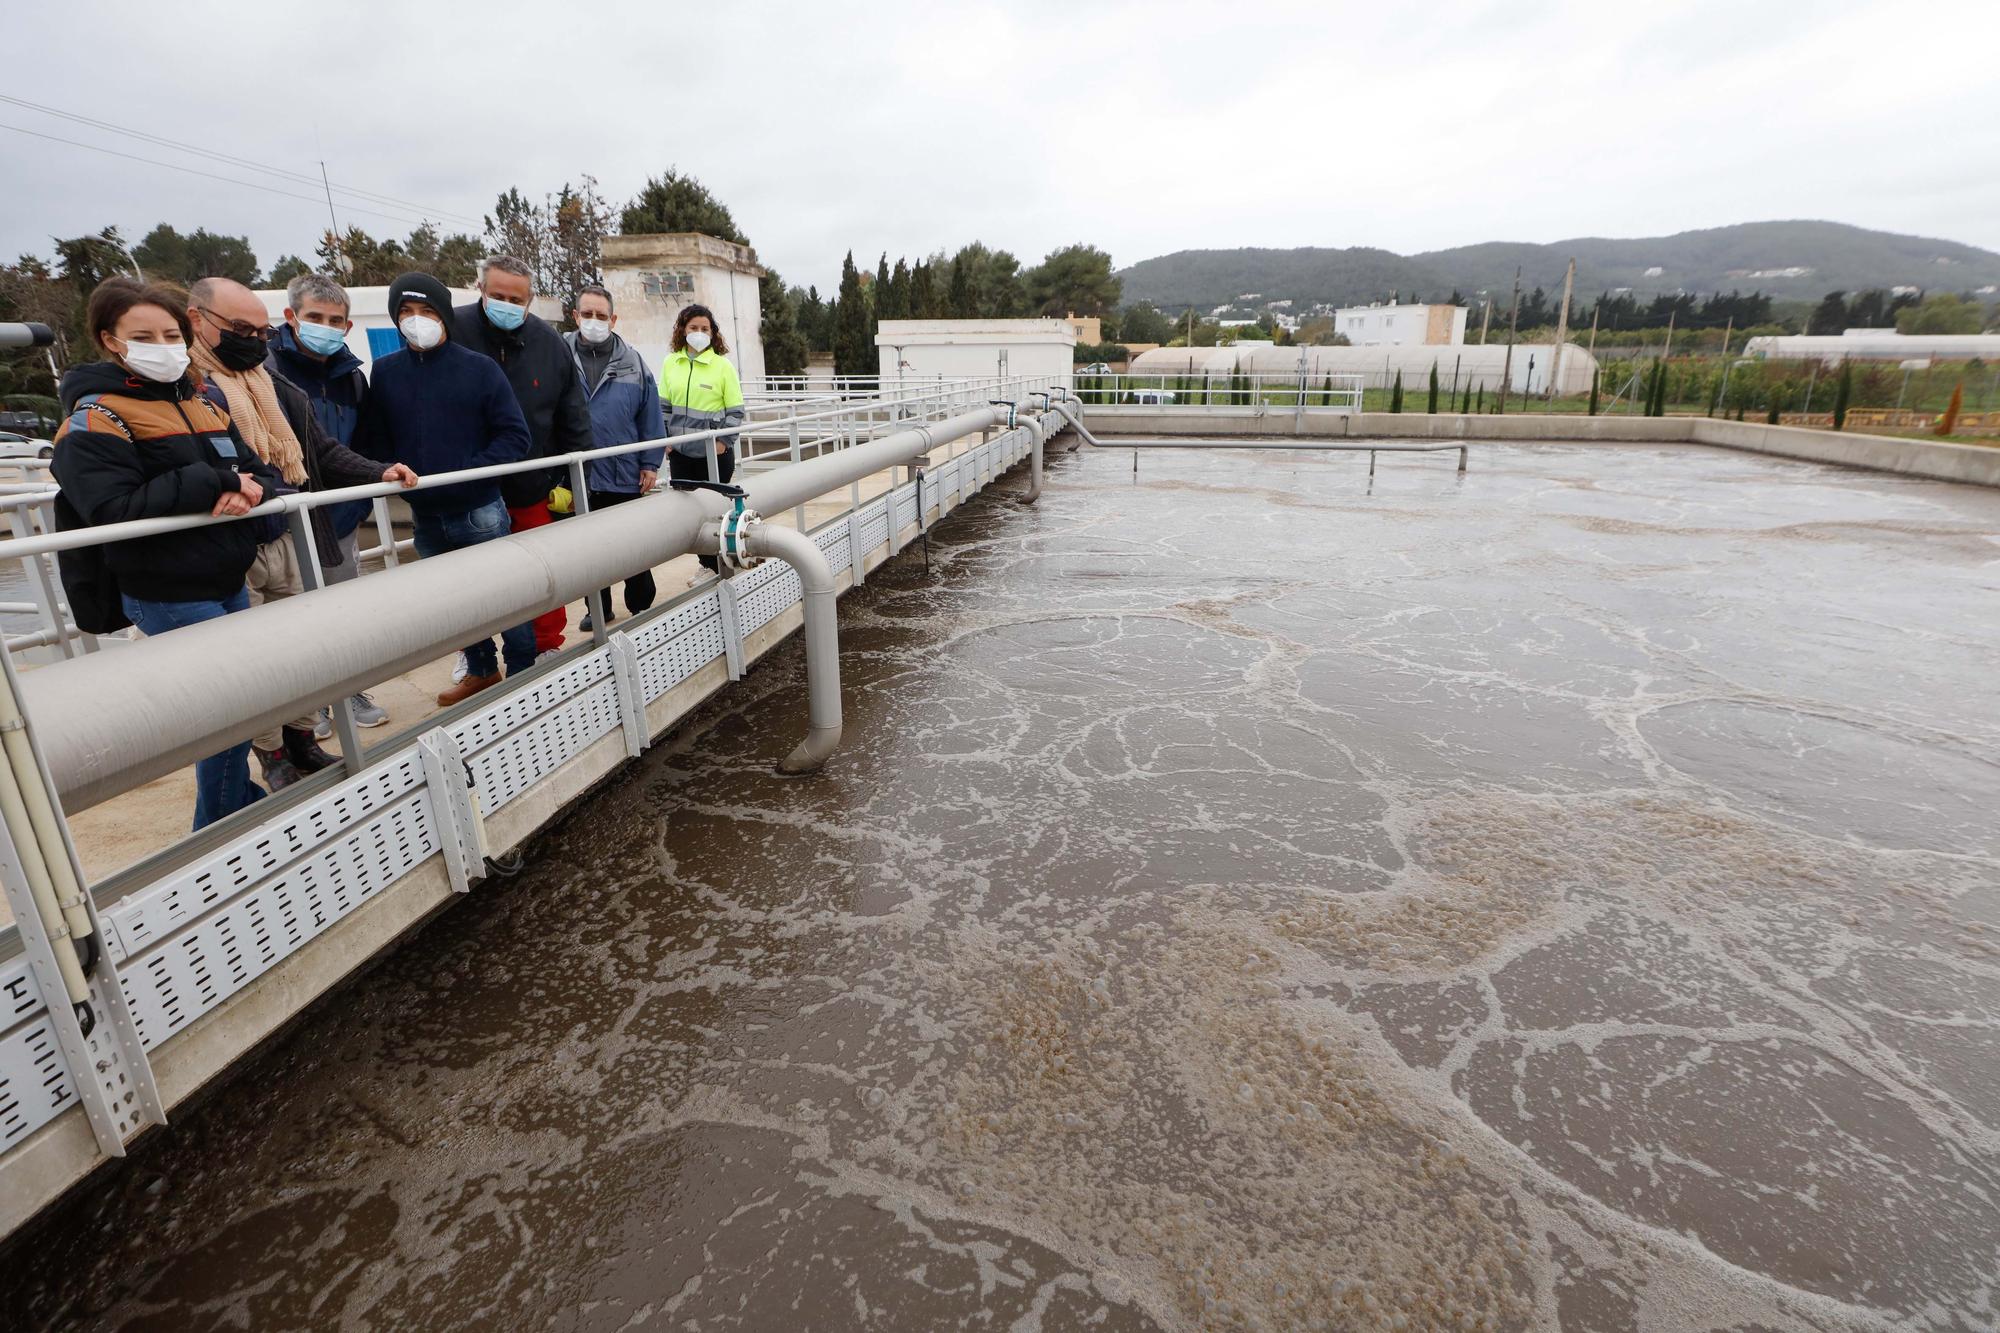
(140, 440)
(700, 391)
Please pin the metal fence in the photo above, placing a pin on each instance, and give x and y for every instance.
(1340, 393)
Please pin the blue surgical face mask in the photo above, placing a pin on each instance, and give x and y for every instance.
(505, 314)
(322, 339)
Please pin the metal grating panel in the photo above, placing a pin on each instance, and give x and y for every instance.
(832, 543)
(512, 713)
(19, 994)
(502, 772)
(140, 918)
(677, 621)
(682, 656)
(34, 1085)
(765, 605)
(182, 977)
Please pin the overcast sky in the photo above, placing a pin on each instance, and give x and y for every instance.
(1142, 128)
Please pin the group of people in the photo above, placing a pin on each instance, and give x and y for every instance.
(202, 407)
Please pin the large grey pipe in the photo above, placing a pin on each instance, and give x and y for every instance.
(822, 634)
(110, 721)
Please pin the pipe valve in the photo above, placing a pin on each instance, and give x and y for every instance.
(732, 549)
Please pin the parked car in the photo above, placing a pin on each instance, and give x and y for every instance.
(1094, 368)
(1150, 397)
(24, 446)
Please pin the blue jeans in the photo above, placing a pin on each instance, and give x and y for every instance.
(438, 533)
(222, 782)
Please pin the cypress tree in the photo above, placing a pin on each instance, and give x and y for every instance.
(1482, 397)
(1841, 393)
(1596, 376)
(1714, 396)
(1949, 421)
(1465, 404)
(1396, 394)
(1433, 407)
(852, 349)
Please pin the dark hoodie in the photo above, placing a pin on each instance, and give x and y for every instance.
(441, 411)
(145, 450)
(546, 383)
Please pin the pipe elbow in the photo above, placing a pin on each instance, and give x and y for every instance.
(811, 754)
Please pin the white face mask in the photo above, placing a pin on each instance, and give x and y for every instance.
(594, 330)
(163, 363)
(422, 331)
(697, 341)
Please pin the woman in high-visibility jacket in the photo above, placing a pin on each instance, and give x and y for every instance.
(700, 391)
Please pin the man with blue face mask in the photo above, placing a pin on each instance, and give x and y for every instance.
(546, 384)
(311, 351)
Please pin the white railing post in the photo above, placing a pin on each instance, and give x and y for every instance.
(455, 812)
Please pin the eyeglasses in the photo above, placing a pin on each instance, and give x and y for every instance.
(241, 328)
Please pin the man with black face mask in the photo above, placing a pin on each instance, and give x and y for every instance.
(231, 336)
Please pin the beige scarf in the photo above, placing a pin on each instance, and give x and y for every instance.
(253, 406)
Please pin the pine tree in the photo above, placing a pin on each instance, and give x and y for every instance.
(1396, 394)
(1433, 407)
(1841, 393)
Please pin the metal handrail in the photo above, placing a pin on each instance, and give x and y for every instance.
(21, 547)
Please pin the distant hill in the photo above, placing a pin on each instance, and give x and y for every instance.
(1790, 260)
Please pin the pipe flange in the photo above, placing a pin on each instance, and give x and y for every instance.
(732, 549)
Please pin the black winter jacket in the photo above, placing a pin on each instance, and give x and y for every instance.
(546, 383)
(146, 450)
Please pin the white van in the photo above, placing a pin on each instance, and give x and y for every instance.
(1150, 397)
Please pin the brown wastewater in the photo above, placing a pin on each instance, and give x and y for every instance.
(1251, 896)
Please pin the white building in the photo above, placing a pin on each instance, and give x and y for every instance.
(913, 349)
(1394, 325)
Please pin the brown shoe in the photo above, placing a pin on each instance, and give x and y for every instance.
(466, 688)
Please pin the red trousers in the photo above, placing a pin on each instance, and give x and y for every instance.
(549, 625)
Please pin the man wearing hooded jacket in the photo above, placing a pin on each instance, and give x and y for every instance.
(546, 384)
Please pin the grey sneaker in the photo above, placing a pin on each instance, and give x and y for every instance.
(367, 713)
(323, 725)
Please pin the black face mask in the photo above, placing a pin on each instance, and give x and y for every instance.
(240, 352)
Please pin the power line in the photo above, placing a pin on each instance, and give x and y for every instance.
(186, 170)
(229, 159)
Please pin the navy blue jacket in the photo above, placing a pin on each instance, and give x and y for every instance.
(547, 385)
(336, 387)
(442, 411)
(624, 409)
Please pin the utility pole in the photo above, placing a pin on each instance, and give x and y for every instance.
(1672, 315)
(1728, 329)
(1485, 318)
(1513, 323)
(1562, 332)
(1595, 311)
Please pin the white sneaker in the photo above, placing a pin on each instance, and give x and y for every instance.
(459, 669)
(700, 577)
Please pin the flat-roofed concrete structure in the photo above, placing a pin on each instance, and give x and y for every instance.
(651, 277)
